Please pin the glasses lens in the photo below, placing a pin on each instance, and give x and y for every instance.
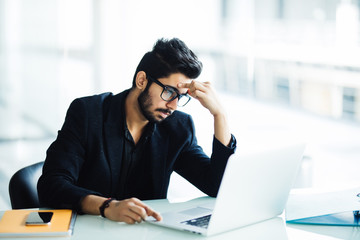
(168, 94)
(183, 100)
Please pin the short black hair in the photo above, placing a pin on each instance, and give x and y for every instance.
(168, 57)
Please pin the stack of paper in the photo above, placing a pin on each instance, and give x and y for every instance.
(329, 208)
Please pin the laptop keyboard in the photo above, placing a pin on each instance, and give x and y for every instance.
(202, 222)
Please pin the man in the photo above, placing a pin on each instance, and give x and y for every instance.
(114, 150)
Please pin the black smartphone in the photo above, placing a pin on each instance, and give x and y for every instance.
(39, 218)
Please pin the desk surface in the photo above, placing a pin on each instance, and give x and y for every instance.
(95, 227)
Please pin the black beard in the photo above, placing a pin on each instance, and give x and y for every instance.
(144, 104)
(144, 101)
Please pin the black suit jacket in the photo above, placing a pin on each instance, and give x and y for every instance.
(87, 154)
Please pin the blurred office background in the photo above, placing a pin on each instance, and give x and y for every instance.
(285, 70)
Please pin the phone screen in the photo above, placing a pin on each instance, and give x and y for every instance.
(39, 218)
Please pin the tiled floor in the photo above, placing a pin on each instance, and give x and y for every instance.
(332, 154)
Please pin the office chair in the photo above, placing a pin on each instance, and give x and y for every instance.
(22, 187)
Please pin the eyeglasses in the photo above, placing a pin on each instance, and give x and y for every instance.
(169, 93)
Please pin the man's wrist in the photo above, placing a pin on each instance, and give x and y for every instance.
(105, 205)
(219, 114)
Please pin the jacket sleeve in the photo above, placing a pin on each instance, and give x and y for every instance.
(65, 157)
(200, 170)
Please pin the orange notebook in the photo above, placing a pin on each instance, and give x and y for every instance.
(12, 224)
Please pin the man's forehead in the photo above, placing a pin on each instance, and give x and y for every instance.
(174, 79)
(187, 80)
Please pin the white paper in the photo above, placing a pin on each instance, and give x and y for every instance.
(303, 205)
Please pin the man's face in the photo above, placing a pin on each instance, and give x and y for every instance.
(152, 106)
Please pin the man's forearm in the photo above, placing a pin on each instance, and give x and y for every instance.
(129, 210)
(221, 129)
(91, 204)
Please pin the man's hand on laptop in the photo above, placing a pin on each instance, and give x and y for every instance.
(130, 211)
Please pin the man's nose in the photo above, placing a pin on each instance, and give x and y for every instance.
(172, 104)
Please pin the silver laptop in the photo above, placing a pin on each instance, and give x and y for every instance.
(255, 187)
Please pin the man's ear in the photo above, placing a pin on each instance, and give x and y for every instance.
(141, 80)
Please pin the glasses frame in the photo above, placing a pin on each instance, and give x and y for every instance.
(178, 95)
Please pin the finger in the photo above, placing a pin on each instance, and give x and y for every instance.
(137, 201)
(190, 85)
(154, 214)
(199, 94)
(198, 86)
(149, 211)
(143, 209)
(133, 215)
(201, 85)
(184, 85)
(138, 210)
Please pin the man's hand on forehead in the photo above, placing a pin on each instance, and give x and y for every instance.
(204, 93)
(184, 85)
(195, 88)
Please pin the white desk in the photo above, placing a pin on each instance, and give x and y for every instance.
(95, 227)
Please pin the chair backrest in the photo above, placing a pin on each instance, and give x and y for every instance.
(23, 187)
